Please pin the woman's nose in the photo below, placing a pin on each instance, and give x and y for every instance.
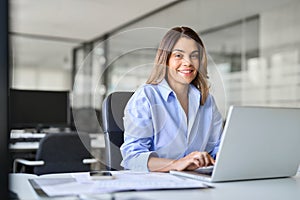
(186, 61)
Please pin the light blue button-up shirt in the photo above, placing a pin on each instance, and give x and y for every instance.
(156, 125)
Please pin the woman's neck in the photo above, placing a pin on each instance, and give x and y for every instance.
(181, 91)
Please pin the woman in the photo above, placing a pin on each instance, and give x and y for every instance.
(172, 122)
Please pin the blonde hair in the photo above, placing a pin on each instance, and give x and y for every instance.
(163, 55)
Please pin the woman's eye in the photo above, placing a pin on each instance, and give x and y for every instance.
(178, 56)
(194, 56)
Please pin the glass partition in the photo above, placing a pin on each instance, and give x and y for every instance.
(253, 49)
(55, 71)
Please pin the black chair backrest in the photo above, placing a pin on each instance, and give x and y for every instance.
(112, 116)
(63, 152)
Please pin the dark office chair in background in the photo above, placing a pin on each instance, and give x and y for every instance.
(59, 153)
(112, 118)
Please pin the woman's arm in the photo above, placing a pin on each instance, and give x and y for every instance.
(215, 131)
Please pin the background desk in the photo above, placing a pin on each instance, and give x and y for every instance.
(24, 147)
(269, 189)
(27, 150)
(97, 141)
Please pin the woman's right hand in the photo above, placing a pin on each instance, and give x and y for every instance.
(193, 161)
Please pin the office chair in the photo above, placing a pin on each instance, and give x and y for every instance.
(112, 118)
(59, 153)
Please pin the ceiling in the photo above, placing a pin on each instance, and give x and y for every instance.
(76, 19)
(44, 32)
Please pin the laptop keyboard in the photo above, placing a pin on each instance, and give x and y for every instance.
(205, 170)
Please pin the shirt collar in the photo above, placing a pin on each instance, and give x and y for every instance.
(166, 90)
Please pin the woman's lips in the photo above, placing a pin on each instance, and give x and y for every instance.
(186, 71)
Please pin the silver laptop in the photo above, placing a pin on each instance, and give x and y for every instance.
(257, 143)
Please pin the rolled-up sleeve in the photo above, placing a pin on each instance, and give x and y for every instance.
(138, 135)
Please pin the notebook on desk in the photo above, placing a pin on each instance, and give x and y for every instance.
(257, 143)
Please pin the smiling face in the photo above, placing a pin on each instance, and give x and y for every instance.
(183, 63)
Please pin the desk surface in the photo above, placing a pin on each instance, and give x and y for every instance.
(283, 188)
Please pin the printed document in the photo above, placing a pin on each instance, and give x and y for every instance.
(81, 183)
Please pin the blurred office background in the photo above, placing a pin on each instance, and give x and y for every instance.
(94, 47)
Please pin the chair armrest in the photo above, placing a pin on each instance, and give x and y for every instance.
(27, 163)
(89, 160)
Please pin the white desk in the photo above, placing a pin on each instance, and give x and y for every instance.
(24, 146)
(269, 189)
(97, 141)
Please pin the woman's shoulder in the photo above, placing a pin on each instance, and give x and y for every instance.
(210, 100)
(146, 90)
(212, 104)
(144, 96)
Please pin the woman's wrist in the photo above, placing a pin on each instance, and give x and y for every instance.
(161, 164)
(173, 165)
